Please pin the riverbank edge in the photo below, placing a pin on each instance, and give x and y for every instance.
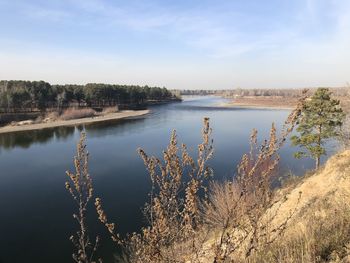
(109, 117)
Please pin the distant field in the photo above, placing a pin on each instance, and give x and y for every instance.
(264, 101)
(276, 102)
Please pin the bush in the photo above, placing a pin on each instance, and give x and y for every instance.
(71, 114)
(109, 110)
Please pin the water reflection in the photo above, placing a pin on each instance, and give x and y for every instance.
(116, 127)
(25, 139)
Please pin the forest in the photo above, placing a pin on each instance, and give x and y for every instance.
(29, 96)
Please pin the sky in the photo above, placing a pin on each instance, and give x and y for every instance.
(182, 44)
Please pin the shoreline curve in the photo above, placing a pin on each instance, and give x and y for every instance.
(74, 122)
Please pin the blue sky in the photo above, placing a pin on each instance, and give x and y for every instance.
(185, 44)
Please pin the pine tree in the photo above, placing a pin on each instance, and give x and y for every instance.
(320, 120)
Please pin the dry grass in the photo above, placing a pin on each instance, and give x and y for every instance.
(320, 229)
(47, 117)
(109, 110)
(323, 235)
(51, 116)
(71, 114)
(265, 101)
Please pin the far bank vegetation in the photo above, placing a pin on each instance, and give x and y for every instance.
(278, 98)
(29, 99)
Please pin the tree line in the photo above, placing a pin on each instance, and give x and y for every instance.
(18, 95)
(240, 92)
(289, 93)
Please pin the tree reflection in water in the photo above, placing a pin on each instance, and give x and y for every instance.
(25, 139)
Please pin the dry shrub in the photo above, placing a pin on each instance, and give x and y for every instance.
(243, 210)
(241, 206)
(71, 114)
(47, 117)
(39, 119)
(54, 115)
(222, 204)
(109, 110)
(81, 189)
(173, 211)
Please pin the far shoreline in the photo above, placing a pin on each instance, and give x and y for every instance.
(254, 106)
(262, 102)
(59, 123)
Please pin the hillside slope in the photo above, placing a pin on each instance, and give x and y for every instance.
(315, 213)
(330, 184)
(319, 230)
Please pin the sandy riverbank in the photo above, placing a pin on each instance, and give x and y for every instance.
(107, 117)
(262, 103)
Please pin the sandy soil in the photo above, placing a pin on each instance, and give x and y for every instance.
(108, 117)
(329, 185)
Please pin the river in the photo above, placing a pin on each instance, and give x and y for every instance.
(35, 208)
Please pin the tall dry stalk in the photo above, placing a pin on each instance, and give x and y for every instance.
(173, 210)
(81, 189)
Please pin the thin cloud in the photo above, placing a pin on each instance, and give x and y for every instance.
(250, 45)
(218, 33)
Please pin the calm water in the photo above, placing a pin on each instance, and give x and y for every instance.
(35, 209)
